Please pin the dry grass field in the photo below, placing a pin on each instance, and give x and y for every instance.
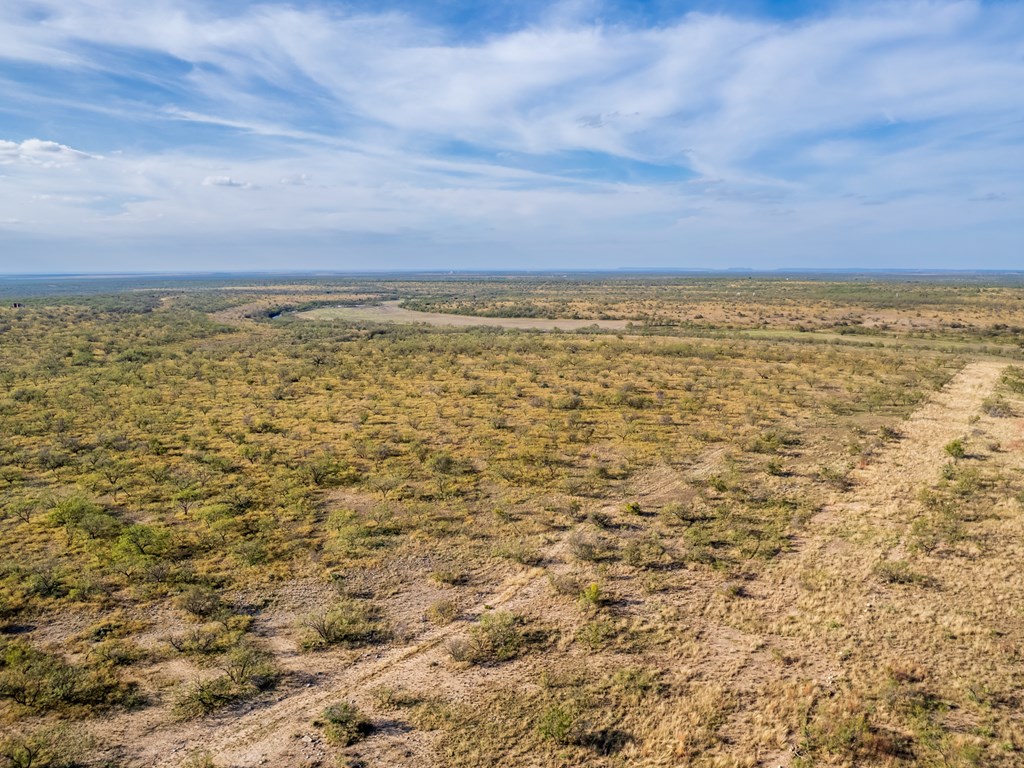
(392, 312)
(601, 522)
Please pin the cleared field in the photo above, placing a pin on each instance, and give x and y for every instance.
(390, 312)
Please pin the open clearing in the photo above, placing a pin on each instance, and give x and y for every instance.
(390, 312)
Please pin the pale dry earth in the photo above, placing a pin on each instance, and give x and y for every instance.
(390, 312)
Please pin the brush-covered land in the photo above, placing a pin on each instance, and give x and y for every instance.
(712, 522)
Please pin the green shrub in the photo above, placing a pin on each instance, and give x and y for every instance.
(118, 653)
(202, 697)
(206, 640)
(247, 670)
(1013, 379)
(41, 681)
(558, 723)
(592, 596)
(646, 552)
(345, 724)
(496, 637)
(45, 580)
(201, 602)
(956, 449)
(100, 525)
(46, 747)
(71, 511)
(442, 612)
(351, 623)
(248, 666)
(596, 634)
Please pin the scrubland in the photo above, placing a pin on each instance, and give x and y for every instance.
(767, 523)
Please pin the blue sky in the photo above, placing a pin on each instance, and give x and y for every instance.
(192, 134)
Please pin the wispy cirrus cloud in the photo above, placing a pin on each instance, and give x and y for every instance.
(704, 138)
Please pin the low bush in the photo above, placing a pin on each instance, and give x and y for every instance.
(199, 760)
(205, 640)
(564, 583)
(559, 723)
(246, 671)
(41, 682)
(900, 572)
(646, 552)
(46, 747)
(956, 449)
(442, 612)
(201, 602)
(592, 596)
(345, 724)
(249, 666)
(997, 407)
(519, 551)
(497, 637)
(587, 546)
(1013, 379)
(202, 697)
(596, 634)
(449, 577)
(351, 623)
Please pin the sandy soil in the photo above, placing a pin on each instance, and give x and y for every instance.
(390, 312)
(889, 480)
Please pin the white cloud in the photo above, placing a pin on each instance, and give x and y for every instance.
(721, 88)
(225, 181)
(48, 154)
(912, 105)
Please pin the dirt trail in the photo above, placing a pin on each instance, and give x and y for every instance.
(894, 477)
(273, 734)
(842, 545)
(869, 520)
(278, 733)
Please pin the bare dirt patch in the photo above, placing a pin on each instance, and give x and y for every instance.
(390, 312)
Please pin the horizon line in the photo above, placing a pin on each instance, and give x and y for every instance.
(567, 271)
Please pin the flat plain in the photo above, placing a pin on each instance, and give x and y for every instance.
(513, 520)
(393, 312)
